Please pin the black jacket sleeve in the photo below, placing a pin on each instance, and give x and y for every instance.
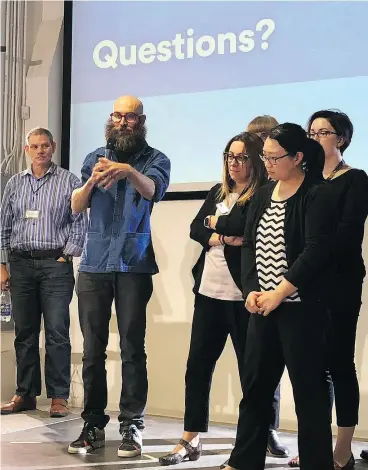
(232, 225)
(249, 277)
(355, 210)
(198, 232)
(321, 218)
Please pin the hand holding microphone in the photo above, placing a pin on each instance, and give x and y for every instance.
(107, 172)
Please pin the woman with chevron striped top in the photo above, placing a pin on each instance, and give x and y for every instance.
(286, 264)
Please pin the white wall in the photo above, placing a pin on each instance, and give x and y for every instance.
(44, 79)
(171, 308)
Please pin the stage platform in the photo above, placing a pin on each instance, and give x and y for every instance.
(33, 441)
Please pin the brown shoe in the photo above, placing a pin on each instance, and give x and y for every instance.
(59, 408)
(18, 404)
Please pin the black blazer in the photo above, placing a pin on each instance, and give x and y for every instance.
(310, 232)
(229, 225)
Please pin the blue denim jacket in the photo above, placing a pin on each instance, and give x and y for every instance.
(119, 230)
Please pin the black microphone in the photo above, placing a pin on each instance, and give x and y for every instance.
(110, 147)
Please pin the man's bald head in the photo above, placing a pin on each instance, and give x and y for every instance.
(126, 127)
(128, 104)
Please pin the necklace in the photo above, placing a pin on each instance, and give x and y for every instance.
(335, 170)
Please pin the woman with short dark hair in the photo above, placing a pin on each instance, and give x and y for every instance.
(334, 131)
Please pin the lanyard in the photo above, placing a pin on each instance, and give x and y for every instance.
(47, 177)
(333, 173)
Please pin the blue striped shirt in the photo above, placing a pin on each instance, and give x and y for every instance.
(55, 227)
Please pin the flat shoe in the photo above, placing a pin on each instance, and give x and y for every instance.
(192, 454)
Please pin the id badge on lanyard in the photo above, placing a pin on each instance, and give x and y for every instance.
(32, 214)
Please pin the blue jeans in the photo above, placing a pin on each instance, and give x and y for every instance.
(41, 286)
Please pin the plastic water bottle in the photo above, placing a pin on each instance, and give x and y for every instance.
(6, 306)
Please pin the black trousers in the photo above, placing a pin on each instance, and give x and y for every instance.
(41, 286)
(293, 335)
(344, 314)
(95, 295)
(213, 321)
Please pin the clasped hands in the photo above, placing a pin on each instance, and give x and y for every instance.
(263, 302)
(106, 172)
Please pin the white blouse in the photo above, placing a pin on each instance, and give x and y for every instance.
(217, 281)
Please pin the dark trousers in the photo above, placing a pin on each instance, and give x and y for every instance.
(344, 314)
(95, 295)
(213, 321)
(41, 286)
(293, 335)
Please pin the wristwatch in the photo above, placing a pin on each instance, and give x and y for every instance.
(207, 221)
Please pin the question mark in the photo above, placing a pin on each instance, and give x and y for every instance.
(270, 28)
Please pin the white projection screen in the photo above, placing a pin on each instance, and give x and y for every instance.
(205, 69)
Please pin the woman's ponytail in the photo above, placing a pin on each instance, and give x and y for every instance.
(314, 159)
(294, 139)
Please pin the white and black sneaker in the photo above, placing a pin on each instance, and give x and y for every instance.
(90, 438)
(131, 443)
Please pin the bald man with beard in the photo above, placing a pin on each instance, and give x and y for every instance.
(117, 263)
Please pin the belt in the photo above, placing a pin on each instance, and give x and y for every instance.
(39, 254)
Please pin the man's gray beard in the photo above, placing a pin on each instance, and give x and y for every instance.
(126, 141)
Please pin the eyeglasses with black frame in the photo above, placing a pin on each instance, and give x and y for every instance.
(241, 158)
(322, 133)
(272, 160)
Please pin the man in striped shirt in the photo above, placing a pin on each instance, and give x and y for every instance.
(39, 237)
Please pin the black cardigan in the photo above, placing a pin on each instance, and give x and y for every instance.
(350, 191)
(231, 225)
(310, 230)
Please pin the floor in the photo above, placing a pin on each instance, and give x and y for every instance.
(33, 441)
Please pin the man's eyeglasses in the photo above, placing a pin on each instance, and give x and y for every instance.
(272, 160)
(131, 118)
(240, 159)
(321, 134)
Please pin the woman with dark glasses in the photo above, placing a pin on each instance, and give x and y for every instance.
(285, 274)
(219, 307)
(334, 131)
(262, 126)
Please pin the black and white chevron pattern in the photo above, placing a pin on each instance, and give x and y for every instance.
(270, 249)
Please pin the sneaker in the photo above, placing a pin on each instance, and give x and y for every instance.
(90, 438)
(131, 443)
